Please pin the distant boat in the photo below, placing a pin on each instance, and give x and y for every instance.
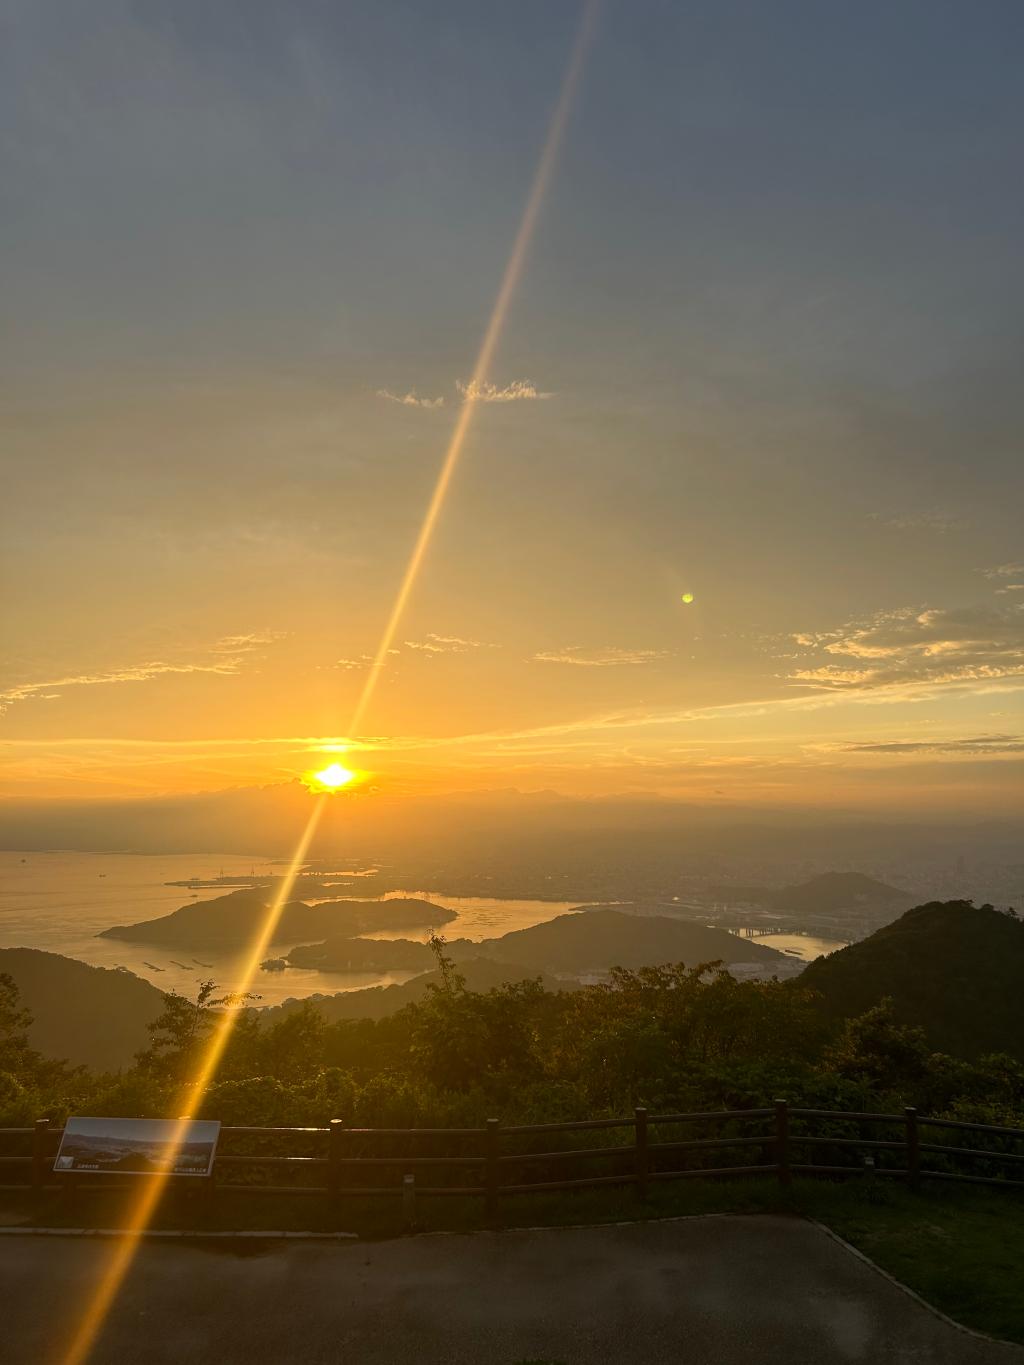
(153, 967)
(183, 965)
(202, 964)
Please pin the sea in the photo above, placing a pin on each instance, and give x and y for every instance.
(61, 901)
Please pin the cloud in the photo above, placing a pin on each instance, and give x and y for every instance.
(1010, 570)
(225, 656)
(927, 519)
(410, 399)
(981, 744)
(969, 644)
(244, 644)
(473, 390)
(482, 391)
(599, 658)
(446, 644)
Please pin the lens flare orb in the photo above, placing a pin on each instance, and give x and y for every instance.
(687, 597)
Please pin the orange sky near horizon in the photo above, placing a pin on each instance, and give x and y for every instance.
(736, 519)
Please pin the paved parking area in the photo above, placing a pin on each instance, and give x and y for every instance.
(705, 1291)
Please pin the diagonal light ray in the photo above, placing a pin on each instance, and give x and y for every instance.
(485, 357)
(120, 1261)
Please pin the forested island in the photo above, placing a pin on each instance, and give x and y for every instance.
(230, 922)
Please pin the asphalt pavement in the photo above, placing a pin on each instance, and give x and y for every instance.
(705, 1291)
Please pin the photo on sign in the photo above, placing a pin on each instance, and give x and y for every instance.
(138, 1146)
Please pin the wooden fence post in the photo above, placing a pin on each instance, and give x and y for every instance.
(409, 1202)
(782, 1143)
(913, 1140)
(40, 1133)
(641, 1156)
(335, 1138)
(492, 1171)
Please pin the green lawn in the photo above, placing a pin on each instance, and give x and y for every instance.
(960, 1248)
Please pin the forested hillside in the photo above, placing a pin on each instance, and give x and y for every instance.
(953, 968)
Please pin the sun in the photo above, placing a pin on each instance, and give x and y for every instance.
(333, 777)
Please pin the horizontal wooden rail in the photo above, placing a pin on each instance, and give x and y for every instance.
(303, 1162)
(572, 1126)
(566, 1152)
(713, 1114)
(633, 1163)
(823, 1140)
(856, 1115)
(974, 1127)
(419, 1132)
(974, 1179)
(260, 1132)
(972, 1152)
(407, 1161)
(699, 1144)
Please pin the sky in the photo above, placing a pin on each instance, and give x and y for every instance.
(764, 354)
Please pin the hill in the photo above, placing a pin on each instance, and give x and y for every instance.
(578, 943)
(831, 893)
(231, 921)
(345, 954)
(376, 1002)
(834, 892)
(95, 1016)
(951, 967)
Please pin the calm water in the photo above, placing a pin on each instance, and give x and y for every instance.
(803, 946)
(61, 901)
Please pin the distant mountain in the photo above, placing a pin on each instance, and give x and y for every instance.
(832, 893)
(91, 1015)
(231, 921)
(951, 967)
(836, 891)
(597, 940)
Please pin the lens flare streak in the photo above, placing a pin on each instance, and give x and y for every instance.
(120, 1261)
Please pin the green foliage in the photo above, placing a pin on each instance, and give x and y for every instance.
(951, 968)
(674, 1038)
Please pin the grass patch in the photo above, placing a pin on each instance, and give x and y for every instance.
(960, 1248)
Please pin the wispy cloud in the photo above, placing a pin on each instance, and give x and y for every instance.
(998, 572)
(599, 658)
(225, 656)
(924, 519)
(914, 646)
(979, 744)
(486, 392)
(410, 399)
(446, 644)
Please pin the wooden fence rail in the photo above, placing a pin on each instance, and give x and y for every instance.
(339, 1162)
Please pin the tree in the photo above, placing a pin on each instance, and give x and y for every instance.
(181, 1031)
(14, 1024)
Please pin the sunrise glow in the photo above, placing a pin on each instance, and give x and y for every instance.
(333, 777)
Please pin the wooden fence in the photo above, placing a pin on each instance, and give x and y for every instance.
(339, 1162)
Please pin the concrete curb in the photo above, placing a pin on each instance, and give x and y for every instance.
(1011, 1346)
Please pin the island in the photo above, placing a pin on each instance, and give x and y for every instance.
(231, 922)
